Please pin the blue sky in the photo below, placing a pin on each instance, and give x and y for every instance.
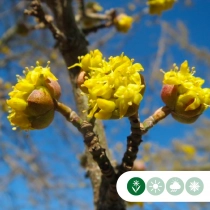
(141, 43)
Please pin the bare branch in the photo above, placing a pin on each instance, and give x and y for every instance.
(98, 153)
(133, 142)
(96, 28)
(90, 138)
(158, 115)
(37, 11)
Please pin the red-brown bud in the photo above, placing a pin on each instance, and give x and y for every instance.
(54, 88)
(81, 80)
(40, 108)
(39, 102)
(169, 95)
(139, 165)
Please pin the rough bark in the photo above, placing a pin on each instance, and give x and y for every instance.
(75, 45)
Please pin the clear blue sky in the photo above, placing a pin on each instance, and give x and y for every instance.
(141, 44)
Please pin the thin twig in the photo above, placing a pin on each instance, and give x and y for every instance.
(105, 20)
(97, 16)
(94, 29)
(37, 11)
(158, 115)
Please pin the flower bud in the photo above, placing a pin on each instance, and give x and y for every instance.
(184, 118)
(42, 121)
(123, 23)
(53, 87)
(169, 94)
(139, 165)
(32, 99)
(39, 102)
(81, 80)
(183, 94)
(156, 7)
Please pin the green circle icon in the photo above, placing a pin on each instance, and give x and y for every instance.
(175, 186)
(155, 186)
(194, 186)
(136, 186)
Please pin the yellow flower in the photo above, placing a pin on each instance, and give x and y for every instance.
(90, 60)
(182, 92)
(31, 100)
(114, 88)
(189, 150)
(130, 204)
(156, 7)
(123, 23)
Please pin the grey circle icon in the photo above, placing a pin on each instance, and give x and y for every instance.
(155, 186)
(175, 186)
(194, 186)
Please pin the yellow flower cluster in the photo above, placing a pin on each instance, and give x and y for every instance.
(123, 23)
(31, 100)
(183, 93)
(114, 87)
(156, 7)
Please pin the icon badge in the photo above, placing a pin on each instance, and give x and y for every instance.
(175, 186)
(194, 186)
(155, 186)
(136, 186)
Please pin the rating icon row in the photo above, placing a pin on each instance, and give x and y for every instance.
(156, 186)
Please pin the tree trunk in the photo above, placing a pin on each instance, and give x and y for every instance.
(74, 46)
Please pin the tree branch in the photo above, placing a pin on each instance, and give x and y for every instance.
(86, 31)
(90, 139)
(37, 11)
(98, 153)
(133, 142)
